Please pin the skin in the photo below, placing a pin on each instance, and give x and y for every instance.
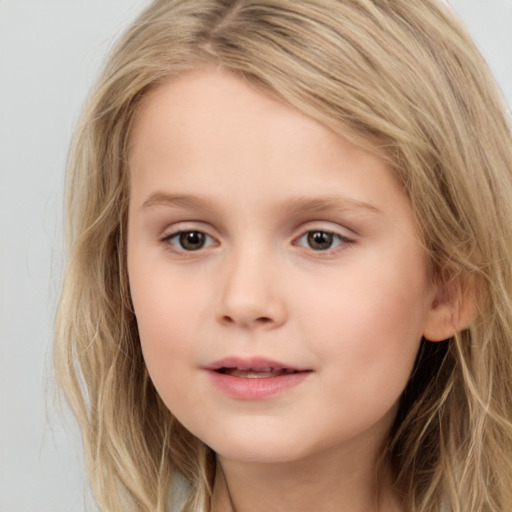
(213, 155)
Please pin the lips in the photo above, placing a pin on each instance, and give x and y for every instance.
(254, 378)
(264, 373)
(253, 367)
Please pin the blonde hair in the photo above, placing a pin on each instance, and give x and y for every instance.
(401, 78)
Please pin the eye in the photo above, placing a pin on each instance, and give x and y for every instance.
(189, 240)
(319, 240)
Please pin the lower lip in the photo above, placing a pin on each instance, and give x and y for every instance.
(256, 388)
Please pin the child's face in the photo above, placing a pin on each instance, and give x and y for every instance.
(260, 240)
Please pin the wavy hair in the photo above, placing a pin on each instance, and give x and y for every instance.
(401, 78)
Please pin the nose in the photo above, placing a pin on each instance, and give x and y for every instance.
(251, 295)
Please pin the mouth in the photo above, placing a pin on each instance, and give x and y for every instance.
(255, 379)
(253, 368)
(253, 373)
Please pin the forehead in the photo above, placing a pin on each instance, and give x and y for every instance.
(212, 135)
(212, 111)
(187, 107)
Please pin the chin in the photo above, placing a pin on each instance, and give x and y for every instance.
(275, 449)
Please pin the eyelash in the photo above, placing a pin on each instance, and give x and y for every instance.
(179, 235)
(342, 240)
(174, 241)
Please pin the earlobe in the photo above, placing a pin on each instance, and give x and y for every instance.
(452, 310)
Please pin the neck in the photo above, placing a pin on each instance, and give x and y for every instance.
(326, 482)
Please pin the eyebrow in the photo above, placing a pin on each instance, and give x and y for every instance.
(330, 202)
(177, 200)
(295, 204)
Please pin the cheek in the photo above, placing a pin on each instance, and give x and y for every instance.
(166, 311)
(168, 353)
(368, 310)
(370, 321)
(162, 295)
(368, 345)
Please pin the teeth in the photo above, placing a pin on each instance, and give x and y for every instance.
(257, 375)
(261, 373)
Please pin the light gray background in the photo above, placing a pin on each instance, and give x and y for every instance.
(50, 51)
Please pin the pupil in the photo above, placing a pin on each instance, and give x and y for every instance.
(192, 240)
(319, 240)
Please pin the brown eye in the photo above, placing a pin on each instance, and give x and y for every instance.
(320, 240)
(192, 240)
(187, 241)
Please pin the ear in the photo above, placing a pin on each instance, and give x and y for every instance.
(452, 309)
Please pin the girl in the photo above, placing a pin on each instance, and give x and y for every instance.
(290, 270)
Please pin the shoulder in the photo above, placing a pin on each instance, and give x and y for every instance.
(179, 494)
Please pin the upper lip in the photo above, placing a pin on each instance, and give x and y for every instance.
(252, 363)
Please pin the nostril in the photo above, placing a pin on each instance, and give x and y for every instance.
(263, 320)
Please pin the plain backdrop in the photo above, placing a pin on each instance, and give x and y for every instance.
(50, 51)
